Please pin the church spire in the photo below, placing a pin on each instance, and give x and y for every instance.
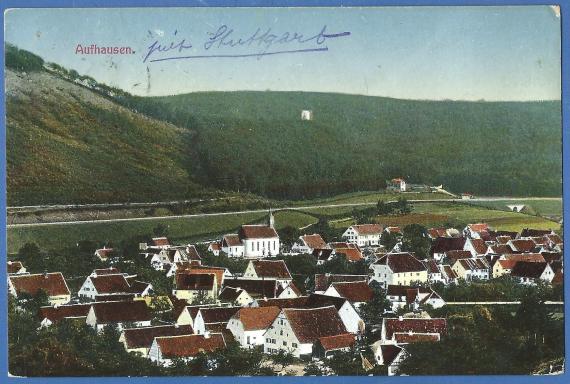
(271, 219)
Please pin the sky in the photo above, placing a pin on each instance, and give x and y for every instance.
(457, 53)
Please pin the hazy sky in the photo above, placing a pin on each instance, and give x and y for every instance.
(468, 53)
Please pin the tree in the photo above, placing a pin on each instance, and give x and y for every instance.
(403, 206)
(160, 230)
(388, 240)
(289, 235)
(383, 209)
(415, 240)
(346, 363)
(283, 358)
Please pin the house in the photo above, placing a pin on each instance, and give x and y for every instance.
(356, 292)
(256, 288)
(268, 269)
(235, 296)
(503, 267)
(409, 330)
(195, 286)
(533, 257)
(308, 243)
(187, 315)
(398, 269)
(477, 247)
(434, 273)
(192, 269)
(185, 347)
(118, 313)
(296, 330)
(348, 314)
(522, 245)
(215, 247)
(472, 269)
(209, 316)
(529, 232)
(405, 296)
(476, 231)
(289, 290)
(327, 346)
(248, 325)
(389, 355)
(15, 268)
(324, 280)
(499, 249)
(105, 271)
(442, 245)
(163, 260)
(363, 234)
(180, 266)
(396, 231)
(323, 255)
(449, 276)
(232, 246)
(104, 253)
(104, 285)
(396, 185)
(53, 314)
(434, 233)
(530, 273)
(349, 251)
(466, 196)
(53, 284)
(139, 340)
(259, 241)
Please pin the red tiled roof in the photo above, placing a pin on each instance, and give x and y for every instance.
(331, 343)
(314, 241)
(110, 284)
(507, 264)
(554, 238)
(549, 257)
(528, 269)
(431, 266)
(479, 246)
(215, 245)
(449, 272)
(523, 245)
(206, 269)
(256, 232)
(311, 324)
(558, 278)
(231, 240)
(500, 249)
(401, 262)
(406, 338)
(389, 353)
(354, 291)
(394, 229)
(195, 281)
(160, 241)
(121, 311)
(456, 254)
(473, 264)
(529, 232)
(368, 229)
(57, 313)
(535, 257)
(256, 288)
(351, 254)
(323, 280)
(143, 337)
(445, 244)
(437, 232)
(479, 227)
(229, 294)
(189, 345)
(192, 253)
(104, 252)
(413, 325)
(295, 302)
(14, 266)
(218, 314)
(276, 269)
(258, 318)
(52, 283)
(291, 285)
(503, 239)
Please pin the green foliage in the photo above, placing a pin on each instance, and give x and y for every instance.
(373, 312)
(288, 236)
(283, 358)
(416, 240)
(21, 60)
(388, 240)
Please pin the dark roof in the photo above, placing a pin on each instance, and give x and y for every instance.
(192, 253)
(189, 345)
(110, 283)
(205, 269)
(457, 254)
(14, 266)
(115, 297)
(143, 337)
(271, 269)
(473, 264)
(479, 246)
(389, 353)
(402, 290)
(331, 343)
(229, 294)
(257, 318)
(296, 302)
(322, 254)
(291, 285)
(414, 325)
(316, 301)
(406, 338)
(322, 281)
(444, 244)
(401, 262)
(354, 291)
(523, 245)
(314, 323)
(61, 312)
(195, 281)
(256, 232)
(549, 257)
(218, 314)
(121, 311)
(501, 249)
(52, 283)
(437, 232)
(431, 266)
(529, 232)
(528, 269)
(256, 288)
(231, 240)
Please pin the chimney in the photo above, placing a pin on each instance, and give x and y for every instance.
(400, 318)
(45, 273)
(207, 335)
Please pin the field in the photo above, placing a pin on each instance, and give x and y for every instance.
(539, 207)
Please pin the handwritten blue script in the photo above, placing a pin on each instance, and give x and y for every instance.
(225, 42)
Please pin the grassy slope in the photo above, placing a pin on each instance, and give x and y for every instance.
(69, 145)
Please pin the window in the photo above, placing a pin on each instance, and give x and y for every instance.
(281, 332)
(258, 245)
(285, 343)
(294, 345)
(268, 340)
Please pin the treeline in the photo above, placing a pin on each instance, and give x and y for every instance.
(21, 60)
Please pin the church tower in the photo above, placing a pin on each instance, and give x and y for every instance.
(271, 219)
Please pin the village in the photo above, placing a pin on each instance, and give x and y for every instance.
(376, 314)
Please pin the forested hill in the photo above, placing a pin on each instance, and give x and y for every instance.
(257, 141)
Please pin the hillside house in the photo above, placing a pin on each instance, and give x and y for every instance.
(297, 330)
(15, 268)
(53, 314)
(477, 247)
(412, 298)
(476, 231)
(434, 273)
(398, 269)
(363, 234)
(194, 286)
(308, 243)
(139, 340)
(442, 245)
(356, 292)
(248, 325)
(349, 251)
(104, 253)
(472, 269)
(396, 185)
(215, 247)
(106, 284)
(185, 347)
(232, 246)
(409, 330)
(235, 296)
(53, 284)
(160, 242)
(503, 267)
(268, 269)
(324, 280)
(530, 273)
(389, 355)
(210, 316)
(118, 313)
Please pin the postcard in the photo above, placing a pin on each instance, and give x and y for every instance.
(303, 191)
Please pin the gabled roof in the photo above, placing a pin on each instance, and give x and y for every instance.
(323, 280)
(291, 285)
(354, 291)
(549, 257)
(507, 264)
(437, 232)
(110, 284)
(401, 262)
(257, 232)
(195, 281)
(14, 266)
(414, 325)
(322, 254)
(160, 241)
(215, 245)
(479, 246)
(534, 257)
(189, 345)
(529, 232)
(456, 254)
(402, 290)
(393, 230)
(104, 252)
(256, 288)
(193, 269)
(314, 241)
(294, 302)
(258, 318)
(523, 245)
(276, 269)
(528, 269)
(367, 229)
(335, 342)
(351, 254)
(450, 273)
(407, 338)
(479, 227)
(106, 271)
(230, 294)
(218, 314)
(431, 266)
(311, 324)
(121, 311)
(445, 244)
(231, 240)
(143, 337)
(389, 353)
(192, 253)
(500, 249)
(57, 313)
(503, 239)
(52, 283)
(553, 238)
(473, 264)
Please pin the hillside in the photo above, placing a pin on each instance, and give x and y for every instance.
(67, 144)
(257, 141)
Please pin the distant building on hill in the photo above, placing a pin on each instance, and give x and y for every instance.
(306, 114)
